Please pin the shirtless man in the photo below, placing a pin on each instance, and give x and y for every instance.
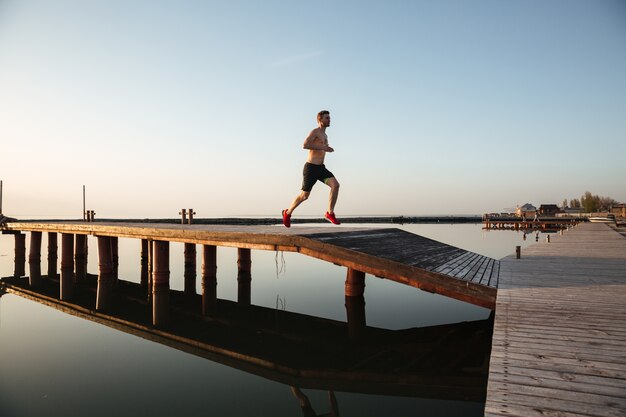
(314, 170)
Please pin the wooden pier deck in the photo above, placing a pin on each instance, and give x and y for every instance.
(559, 342)
(387, 253)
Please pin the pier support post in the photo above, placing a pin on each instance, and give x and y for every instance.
(34, 259)
(244, 276)
(67, 266)
(150, 269)
(105, 273)
(355, 303)
(53, 256)
(190, 269)
(209, 280)
(115, 258)
(161, 283)
(80, 257)
(144, 262)
(20, 255)
(518, 251)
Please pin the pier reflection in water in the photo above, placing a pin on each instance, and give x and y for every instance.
(324, 364)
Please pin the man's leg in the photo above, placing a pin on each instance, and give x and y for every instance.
(298, 200)
(334, 193)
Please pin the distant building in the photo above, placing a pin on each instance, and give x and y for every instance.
(527, 210)
(549, 210)
(619, 209)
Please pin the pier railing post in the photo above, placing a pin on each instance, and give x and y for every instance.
(209, 280)
(34, 259)
(105, 273)
(244, 276)
(355, 303)
(67, 266)
(53, 257)
(20, 255)
(161, 283)
(190, 269)
(80, 257)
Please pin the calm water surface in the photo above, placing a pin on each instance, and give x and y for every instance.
(55, 364)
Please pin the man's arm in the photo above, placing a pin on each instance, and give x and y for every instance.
(313, 142)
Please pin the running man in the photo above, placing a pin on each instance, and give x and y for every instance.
(314, 170)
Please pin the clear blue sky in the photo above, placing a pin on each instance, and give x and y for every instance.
(438, 107)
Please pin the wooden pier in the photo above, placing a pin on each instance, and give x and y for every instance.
(542, 223)
(559, 342)
(385, 253)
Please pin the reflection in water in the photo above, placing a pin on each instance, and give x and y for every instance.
(301, 351)
(54, 364)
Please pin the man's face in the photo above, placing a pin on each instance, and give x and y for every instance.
(325, 120)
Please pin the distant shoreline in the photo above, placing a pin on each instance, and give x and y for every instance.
(271, 221)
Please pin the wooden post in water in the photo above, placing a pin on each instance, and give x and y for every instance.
(53, 256)
(209, 280)
(150, 269)
(355, 303)
(105, 273)
(518, 252)
(190, 269)
(244, 276)
(115, 258)
(67, 266)
(144, 262)
(20, 255)
(34, 259)
(80, 257)
(161, 283)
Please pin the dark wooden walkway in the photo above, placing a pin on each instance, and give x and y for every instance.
(386, 253)
(559, 342)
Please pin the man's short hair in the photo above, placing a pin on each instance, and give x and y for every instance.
(322, 114)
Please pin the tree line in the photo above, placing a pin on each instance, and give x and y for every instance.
(591, 203)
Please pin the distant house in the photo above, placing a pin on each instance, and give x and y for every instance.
(619, 209)
(549, 210)
(527, 210)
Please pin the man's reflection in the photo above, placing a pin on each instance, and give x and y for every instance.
(307, 410)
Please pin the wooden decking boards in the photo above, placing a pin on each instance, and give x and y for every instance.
(387, 253)
(559, 342)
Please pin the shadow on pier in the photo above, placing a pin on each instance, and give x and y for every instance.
(442, 362)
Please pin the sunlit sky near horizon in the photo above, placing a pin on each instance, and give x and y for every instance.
(438, 107)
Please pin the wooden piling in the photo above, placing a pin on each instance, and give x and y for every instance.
(355, 303)
(67, 266)
(115, 258)
(161, 283)
(144, 262)
(150, 269)
(355, 283)
(53, 257)
(80, 258)
(518, 251)
(105, 273)
(34, 259)
(190, 269)
(20, 255)
(244, 276)
(209, 280)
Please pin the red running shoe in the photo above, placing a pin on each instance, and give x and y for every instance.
(331, 218)
(286, 219)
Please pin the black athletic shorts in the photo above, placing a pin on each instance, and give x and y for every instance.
(312, 173)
